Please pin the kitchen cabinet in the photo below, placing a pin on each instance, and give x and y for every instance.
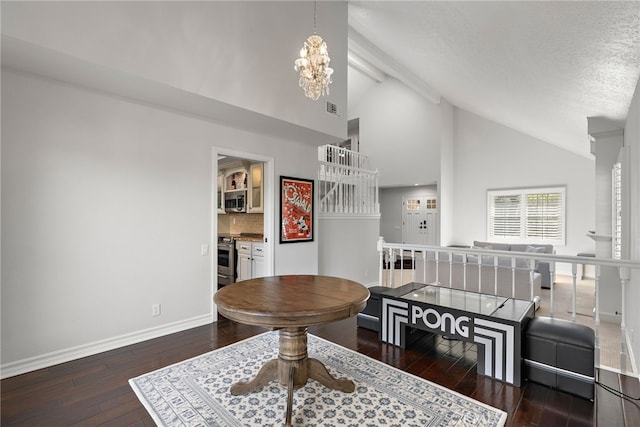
(250, 259)
(235, 179)
(257, 257)
(256, 186)
(220, 193)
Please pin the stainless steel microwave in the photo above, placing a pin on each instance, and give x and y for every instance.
(235, 201)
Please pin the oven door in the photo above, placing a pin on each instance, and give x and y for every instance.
(224, 280)
(226, 264)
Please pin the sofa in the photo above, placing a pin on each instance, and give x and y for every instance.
(485, 277)
(541, 267)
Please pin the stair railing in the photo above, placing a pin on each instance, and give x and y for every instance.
(345, 185)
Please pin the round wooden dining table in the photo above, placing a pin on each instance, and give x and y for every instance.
(291, 304)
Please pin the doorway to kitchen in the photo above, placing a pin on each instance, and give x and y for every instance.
(243, 217)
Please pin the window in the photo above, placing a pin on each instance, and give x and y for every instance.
(413, 205)
(531, 215)
(617, 211)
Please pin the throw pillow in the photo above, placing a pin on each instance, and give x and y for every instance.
(535, 250)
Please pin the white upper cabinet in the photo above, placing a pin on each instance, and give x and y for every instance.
(256, 188)
(220, 194)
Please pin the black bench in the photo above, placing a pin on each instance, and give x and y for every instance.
(560, 354)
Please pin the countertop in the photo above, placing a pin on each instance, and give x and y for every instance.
(247, 237)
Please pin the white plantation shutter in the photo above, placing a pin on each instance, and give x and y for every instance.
(504, 214)
(533, 215)
(545, 216)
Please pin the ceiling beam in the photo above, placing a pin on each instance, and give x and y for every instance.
(365, 67)
(360, 46)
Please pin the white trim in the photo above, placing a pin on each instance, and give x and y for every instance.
(213, 246)
(614, 370)
(343, 216)
(630, 354)
(61, 356)
(609, 133)
(610, 317)
(557, 370)
(270, 193)
(361, 64)
(522, 216)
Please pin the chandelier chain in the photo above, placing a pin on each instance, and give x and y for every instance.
(313, 64)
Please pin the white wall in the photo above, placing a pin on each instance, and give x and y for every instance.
(347, 248)
(632, 141)
(240, 53)
(105, 203)
(447, 175)
(412, 141)
(400, 132)
(391, 209)
(607, 147)
(491, 156)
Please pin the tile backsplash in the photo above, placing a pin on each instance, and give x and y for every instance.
(236, 223)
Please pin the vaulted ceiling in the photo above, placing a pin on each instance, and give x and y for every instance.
(540, 67)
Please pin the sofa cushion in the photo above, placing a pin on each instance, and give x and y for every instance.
(524, 262)
(533, 249)
(489, 260)
(519, 247)
(494, 245)
(486, 247)
(528, 247)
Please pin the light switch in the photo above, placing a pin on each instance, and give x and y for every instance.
(204, 249)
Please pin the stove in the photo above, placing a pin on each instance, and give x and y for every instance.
(226, 260)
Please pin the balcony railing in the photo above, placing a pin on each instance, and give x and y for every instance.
(345, 183)
(400, 264)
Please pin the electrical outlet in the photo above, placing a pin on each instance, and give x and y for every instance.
(155, 310)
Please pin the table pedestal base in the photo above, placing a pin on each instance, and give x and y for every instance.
(292, 369)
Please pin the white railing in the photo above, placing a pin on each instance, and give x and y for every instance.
(345, 185)
(436, 264)
(334, 155)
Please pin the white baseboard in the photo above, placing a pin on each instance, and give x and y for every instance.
(60, 356)
(610, 317)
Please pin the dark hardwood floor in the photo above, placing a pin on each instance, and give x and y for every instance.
(94, 391)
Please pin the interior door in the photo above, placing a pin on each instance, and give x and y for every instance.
(419, 220)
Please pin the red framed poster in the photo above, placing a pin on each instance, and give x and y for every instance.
(296, 210)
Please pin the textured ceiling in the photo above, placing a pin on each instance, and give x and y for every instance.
(541, 67)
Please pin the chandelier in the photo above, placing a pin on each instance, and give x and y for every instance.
(313, 65)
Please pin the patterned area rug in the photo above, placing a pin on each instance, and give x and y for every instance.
(195, 392)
